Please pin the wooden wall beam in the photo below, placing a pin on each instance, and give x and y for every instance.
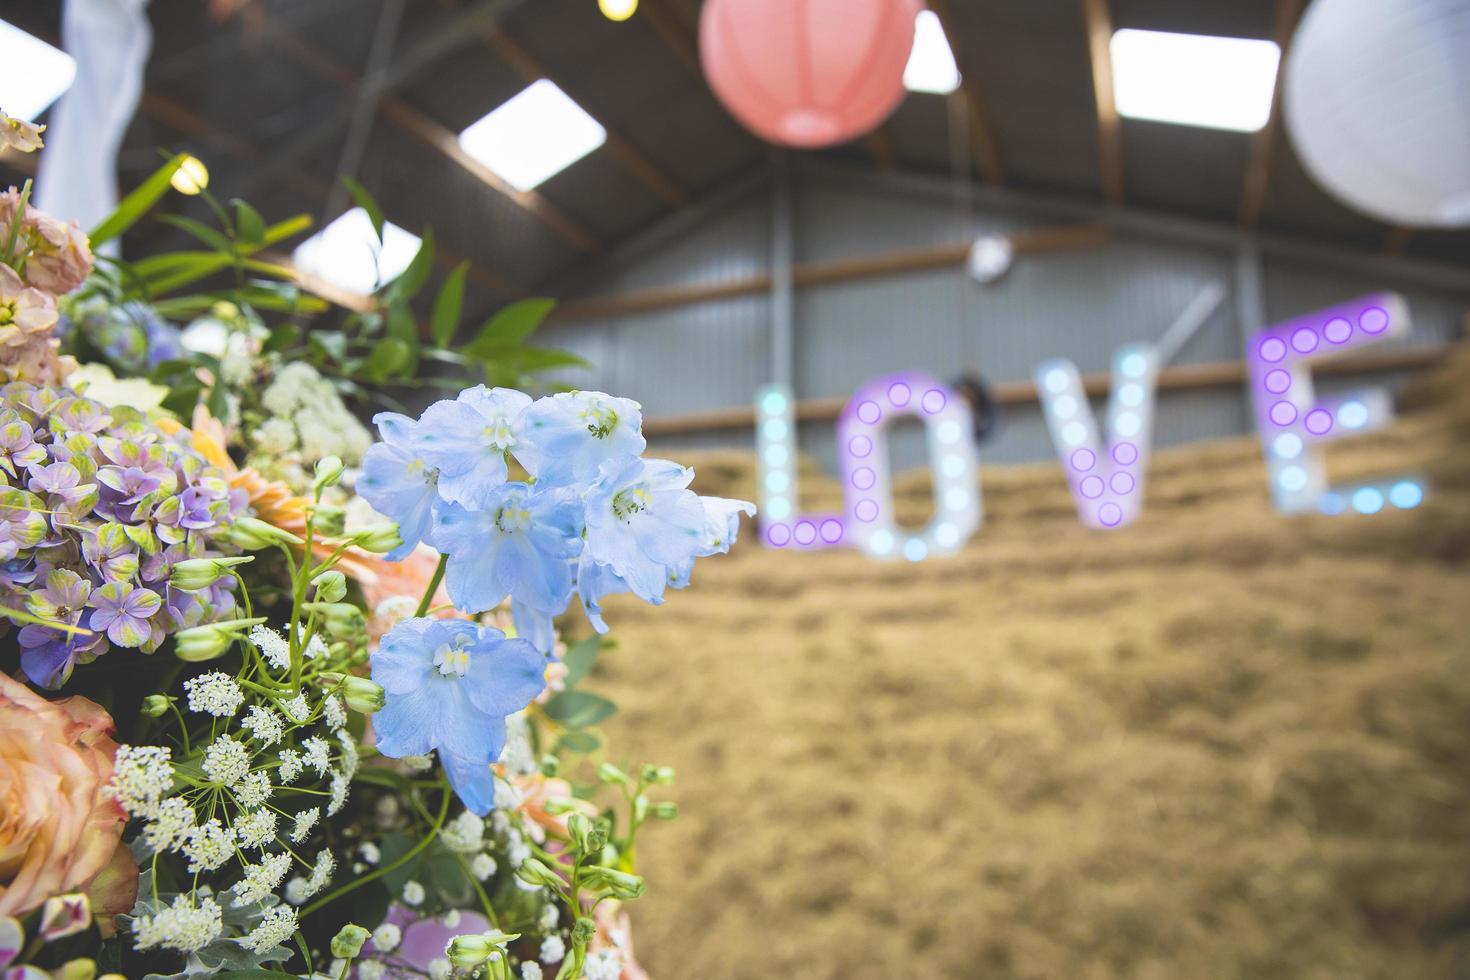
(983, 145)
(1219, 374)
(1263, 142)
(1099, 24)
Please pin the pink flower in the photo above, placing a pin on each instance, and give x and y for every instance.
(61, 258)
(59, 831)
(24, 311)
(17, 134)
(614, 932)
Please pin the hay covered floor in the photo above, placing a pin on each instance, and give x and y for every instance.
(1220, 743)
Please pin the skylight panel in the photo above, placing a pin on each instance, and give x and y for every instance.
(536, 134)
(346, 252)
(931, 66)
(1194, 79)
(35, 73)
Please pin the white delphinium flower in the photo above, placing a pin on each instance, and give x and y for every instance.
(261, 879)
(276, 926)
(370, 852)
(333, 712)
(350, 758)
(465, 834)
(371, 970)
(387, 937)
(256, 829)
(273, 646)
(226, 761)
(439, 968)
(553, 950)
(340, 785)
(297, 709)
(170, 824)
(275, 436)
(183, 926)
(603, 965)
(141, 775)
(550, 916)
(264, 725)
(305, 821)
(483, 866)
(292, 764)
(214, 693)
(321, 872)
(253, 790)
(209, 846)
(318, 754)
(531, 970)
(413, 893)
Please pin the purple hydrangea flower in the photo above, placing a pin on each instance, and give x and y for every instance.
(124, 611)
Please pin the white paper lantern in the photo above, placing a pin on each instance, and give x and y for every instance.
(1377, 102)
(989, 258)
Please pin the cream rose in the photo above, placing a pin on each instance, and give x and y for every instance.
(58, 830)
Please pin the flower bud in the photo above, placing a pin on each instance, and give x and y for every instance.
(200, 573)
(583, 931)
(623, 886)
(330, 586)
(658, 775)
(550, 765)
(347, 944)
(362, 695)
(378, 538)
(65, 915)
(200, 643)
(533, 872)
(609, 773)
(468, 952)
(640, 808)
(253, 534)
(79, 969)
(665, 810)
(328, 472)
(589, 835)
(341, 618)
(155, 705)
(327, 520)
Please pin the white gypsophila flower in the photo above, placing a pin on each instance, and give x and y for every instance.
(226, 761)
(253, 790)
(273, 646)
(318, 754)
(450, 919)
(264, 725)
(553, 950)
(387, 937)
(413, 893)
(371, 970)
(209, 846)
(276, 926)
(499, 823)
(305, 821)
(292, 763)
(438, 968)
(532, 829)
(297, 709)
(274, 437)
(296, 891)
(215, 693)
(506, 796)
(550, 916)
(340, 785)
(603, 965)
(256, 829)
(517, 849)
(517, 756)
(169, 825)
(261, 879)
(314, 648)
(483, 866)
(465, 834)
(333, 712)
(141, 775)
(531, 970)
(183, 926)
(370, 852)
(321, 872)
(289, 389)
(350, 758)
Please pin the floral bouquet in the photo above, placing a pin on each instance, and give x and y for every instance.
(277, 698)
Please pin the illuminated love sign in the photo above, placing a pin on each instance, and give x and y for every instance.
(1105, 470)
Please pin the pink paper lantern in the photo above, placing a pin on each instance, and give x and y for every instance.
(807, 73)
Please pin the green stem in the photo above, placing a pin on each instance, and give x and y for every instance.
(183, 725)
(428, 598)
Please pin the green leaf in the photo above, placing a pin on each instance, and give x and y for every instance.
(578, 742)
(407, 286)
(330, 343)
(579, 709)
(282, 337)
(282, 230)
(214, 239)
(444, 324)
(136, 204)
(525, 359)
(389, 354)
(367, 202)
(249, 226)
(514, 323)
(580, 658)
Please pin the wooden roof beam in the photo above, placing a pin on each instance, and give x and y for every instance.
(1264, 140)
(1099, 24)
(983, 145)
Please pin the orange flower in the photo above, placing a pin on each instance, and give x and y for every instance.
(58, 829)
(537, 790)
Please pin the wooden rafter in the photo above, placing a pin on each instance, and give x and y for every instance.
(1099, 23)
(1263, 141)
(983, 146)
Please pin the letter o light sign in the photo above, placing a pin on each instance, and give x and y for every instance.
(868, 521)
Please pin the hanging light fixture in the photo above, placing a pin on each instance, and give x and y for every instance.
(617, 10)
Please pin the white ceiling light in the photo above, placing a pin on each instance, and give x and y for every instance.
(931, 66)
(1194, 79)
(35, 73)
(537, 133)
(346, 252)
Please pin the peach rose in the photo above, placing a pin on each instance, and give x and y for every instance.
(58, 830)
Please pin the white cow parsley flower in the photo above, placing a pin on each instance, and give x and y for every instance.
(297, 709)
(264, 725)
(261, 879)
(321, 872)
(276, 926)
(256, 829)
(226, 761)
(141, 775)
(209, 846)
(370, 852)
(318, 754)
(215, 694)
(254, 789)
(183, 926)
(350, 759)
(305, 821)
(273, 646)
(296, 891)
(333, 712)
(170, 824)
(292, 764)
(340, 785)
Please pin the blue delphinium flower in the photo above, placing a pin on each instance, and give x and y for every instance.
(721, 525)
(642, 518)
(570, 435)
(398, 481)
(467, 440)
(448, 686)
(594, 582)
(519, 543)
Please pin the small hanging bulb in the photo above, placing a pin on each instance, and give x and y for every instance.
(618, 10)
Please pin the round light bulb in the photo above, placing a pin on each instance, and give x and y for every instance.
(617, 9)
(191, 177)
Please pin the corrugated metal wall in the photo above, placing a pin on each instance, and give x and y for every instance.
(1081, 304)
